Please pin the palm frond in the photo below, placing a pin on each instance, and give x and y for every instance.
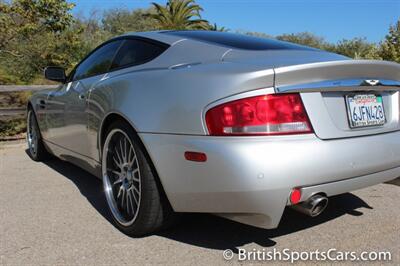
(179, 14)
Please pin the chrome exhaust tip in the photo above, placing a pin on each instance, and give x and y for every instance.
(313, 207)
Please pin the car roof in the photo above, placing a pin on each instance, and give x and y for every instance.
(217, 38)
(155, 35)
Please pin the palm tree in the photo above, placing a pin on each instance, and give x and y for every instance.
(179, 15)
(215, 27)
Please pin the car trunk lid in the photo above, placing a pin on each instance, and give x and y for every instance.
(327, 88)
(325, 81)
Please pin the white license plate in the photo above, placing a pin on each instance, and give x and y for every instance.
(365, 110)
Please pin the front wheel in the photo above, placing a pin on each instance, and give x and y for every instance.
(36, 148)
(134, 197)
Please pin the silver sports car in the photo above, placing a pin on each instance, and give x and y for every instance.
(222, 123)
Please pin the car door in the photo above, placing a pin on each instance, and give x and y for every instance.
(68, 107)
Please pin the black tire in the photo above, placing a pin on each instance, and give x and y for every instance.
(153, 210)
(36, 149)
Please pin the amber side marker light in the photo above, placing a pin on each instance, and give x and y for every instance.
(295, 196)
(195, 156)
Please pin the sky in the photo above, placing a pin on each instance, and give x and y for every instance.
(332, 19)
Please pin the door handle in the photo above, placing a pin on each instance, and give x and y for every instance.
(42, 104)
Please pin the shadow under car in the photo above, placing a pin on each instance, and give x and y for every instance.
(209, 231)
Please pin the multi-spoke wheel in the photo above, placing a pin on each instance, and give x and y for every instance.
(133, 195)
(37, 151)
(121, 177)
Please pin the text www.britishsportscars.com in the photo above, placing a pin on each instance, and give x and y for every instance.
(316, 255)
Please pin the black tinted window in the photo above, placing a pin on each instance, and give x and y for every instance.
(98, 62)
(238, 41)
(134, 52)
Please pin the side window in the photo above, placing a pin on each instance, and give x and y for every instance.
(98, 62)
(135, 52)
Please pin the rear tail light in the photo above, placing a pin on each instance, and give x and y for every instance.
(272, 114)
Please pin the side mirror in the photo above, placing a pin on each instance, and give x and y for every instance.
(55, 74)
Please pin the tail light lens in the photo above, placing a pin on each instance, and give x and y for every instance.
(273, 114)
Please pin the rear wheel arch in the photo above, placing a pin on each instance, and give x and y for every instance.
(108, 121)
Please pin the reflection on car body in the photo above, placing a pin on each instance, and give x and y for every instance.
(237, 126)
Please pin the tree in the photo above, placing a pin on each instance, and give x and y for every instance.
(215, 27)
(27, 17)
(390, 47)
(36, 33)
(357, 48)
(91, 35)
(306, 38)
(179, 15)
(118, 21)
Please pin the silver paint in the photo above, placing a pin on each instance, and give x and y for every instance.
(247, 179)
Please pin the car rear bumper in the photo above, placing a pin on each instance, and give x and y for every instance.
(249, 179)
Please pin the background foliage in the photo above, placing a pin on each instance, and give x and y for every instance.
(38, 33)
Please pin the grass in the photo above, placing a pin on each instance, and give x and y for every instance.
(12, 127)
(14, 99)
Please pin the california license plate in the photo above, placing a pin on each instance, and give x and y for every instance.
(365, 110)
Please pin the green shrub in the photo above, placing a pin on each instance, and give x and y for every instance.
(8, 79)
(11, 127)
(14, 99)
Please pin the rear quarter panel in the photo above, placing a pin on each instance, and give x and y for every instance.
(170, 101)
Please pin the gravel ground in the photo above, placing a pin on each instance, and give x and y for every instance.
(54, 214)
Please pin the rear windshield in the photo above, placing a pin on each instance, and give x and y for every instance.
(238, 41)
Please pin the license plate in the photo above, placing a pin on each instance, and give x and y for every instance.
(365, 110)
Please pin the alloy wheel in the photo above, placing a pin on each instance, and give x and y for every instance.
(32, 133)
(121, 177)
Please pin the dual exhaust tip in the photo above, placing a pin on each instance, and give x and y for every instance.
(313, 206)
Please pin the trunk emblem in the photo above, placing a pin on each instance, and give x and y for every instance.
(370, 82)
